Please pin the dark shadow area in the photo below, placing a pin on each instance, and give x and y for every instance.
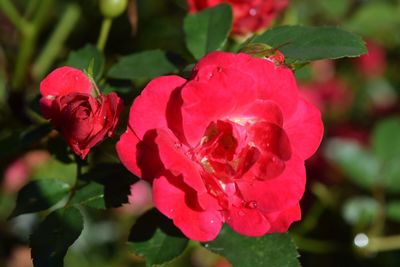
(147, 224)
(116, 180)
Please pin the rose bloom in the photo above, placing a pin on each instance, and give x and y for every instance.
(16, 175)
(72, 103)
(327, 90)
(332, 96)
(248, 15)
(226, 146)
(373, 64)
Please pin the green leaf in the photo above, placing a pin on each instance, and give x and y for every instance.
(91, 195)
(356, 162)
(55, 168)
(391, 175)
(51, 240)
(116, 191)
(360, 209)
(385, 139)
(156, 239)
(143, 65)
(207, 30)
(6, 204)
(272, 250)
(58, 148)
(304, 43)
(386, 146)
(84, 57)
(40, 195)
(393, 210)
(161, 248)
(121, 90)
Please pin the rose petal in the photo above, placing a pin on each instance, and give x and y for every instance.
(272, 83)
(280, 221)
(171, 201)
(305, 129)
(262, 110)
(173, 156)
(46, 107)
(65, 80)
(127, 151)
(279, 193)
(107, 118)
(248, 222)
(140, 157)
(113, 108)
(215, 92)
(149, 109)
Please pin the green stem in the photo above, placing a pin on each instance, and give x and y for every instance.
(12, 14)
(56, 41)
(28, 43)
(24, 54)
(30, 8)
(379, 220)
(79, 183)
(377, 244)
(104, 31)
(311, 219)
(323, 194)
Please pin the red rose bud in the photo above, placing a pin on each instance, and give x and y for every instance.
(248, 16)
(226, 146)
(71, 101)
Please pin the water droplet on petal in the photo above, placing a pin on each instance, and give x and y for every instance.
(171, 210)
(212, 221)
(178, 145)
(253, 12)
(241, 213)
(251, 204)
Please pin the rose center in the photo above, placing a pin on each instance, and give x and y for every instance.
(230, 151)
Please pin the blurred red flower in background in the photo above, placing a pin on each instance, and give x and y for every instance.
(248, 15)
(16, 174)
(372, 64)
(327, 90)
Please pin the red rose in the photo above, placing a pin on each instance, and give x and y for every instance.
(248, 15)
(373, 64)
(331, 96)
(69, 100)
(226, 146)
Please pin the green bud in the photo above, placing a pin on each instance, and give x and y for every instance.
(258, 50)
(112, 8)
